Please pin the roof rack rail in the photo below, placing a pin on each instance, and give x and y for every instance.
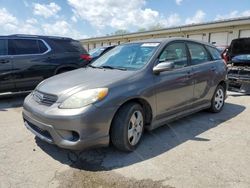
(23, 35)
(27, 35)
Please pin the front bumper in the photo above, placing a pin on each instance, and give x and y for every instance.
(74, 129)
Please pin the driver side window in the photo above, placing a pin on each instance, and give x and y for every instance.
(175, 52)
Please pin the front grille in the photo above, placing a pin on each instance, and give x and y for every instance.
(39, 130)
(44, 98)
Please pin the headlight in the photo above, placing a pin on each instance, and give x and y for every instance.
(84, 98)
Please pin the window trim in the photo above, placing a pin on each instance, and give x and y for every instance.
(18, 55)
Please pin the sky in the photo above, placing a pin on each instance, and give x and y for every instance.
(91, 18)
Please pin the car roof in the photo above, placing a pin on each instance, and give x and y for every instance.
(34, 36)
(166, 40)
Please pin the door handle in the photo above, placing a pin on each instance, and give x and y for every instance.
(4, 61)
(189, 74)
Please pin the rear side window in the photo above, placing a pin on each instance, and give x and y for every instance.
(214, 52)
(3, 47)
(42, 47)
(23, 47)
(175, 52)
(198, 53)
(69, 46)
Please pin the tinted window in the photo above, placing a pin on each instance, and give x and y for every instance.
(68, 46)
(214, 52)
(3, 47)
(42, 47)
(175, 52)
(23, 46)
(198, 53)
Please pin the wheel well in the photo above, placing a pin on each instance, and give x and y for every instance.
(223, 84)
(144, 104)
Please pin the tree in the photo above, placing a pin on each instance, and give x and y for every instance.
(142, 30)
(156, 27)
(120, 32)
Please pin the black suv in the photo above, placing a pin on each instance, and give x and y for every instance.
(26, 60)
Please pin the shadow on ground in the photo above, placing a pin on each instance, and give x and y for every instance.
(13, 101)
(153, 143)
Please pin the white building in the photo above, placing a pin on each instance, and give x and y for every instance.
(220, 33)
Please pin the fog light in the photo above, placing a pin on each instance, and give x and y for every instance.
(69, 135)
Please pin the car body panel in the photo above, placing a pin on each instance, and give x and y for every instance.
(239, 65)
(169, 94)
(23, 71)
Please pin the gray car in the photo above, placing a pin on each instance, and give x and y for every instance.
(133, 87)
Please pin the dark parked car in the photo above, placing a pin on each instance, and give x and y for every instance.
(97, 52)
(135, 86)
(238, 60)
(26, 60)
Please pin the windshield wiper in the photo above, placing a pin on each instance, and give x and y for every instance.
(95, 67)
(110, 67)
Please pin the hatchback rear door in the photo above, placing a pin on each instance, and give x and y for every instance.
(6, 76)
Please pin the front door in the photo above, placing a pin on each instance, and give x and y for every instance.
(174, 88)
(6, 77)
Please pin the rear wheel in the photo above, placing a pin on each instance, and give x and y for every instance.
(218, 100)
(127, 127)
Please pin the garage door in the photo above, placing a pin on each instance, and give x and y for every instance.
(244, 33)
(221, 38)
(196, 37)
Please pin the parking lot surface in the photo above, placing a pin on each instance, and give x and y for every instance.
(202, 150)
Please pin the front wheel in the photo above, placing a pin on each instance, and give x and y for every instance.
(218, 100)
(127, 127)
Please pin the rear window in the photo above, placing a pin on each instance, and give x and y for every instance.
(3, 47)
(23, 46)
(68, 46)
(42, 47)
(214, 52)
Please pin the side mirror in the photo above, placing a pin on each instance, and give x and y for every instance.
(164, 66)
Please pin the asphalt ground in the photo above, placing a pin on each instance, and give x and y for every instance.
(201, 150)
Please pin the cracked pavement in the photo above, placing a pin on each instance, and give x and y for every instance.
(201, 150)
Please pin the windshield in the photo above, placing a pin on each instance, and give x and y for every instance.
(96, 52)
(128, 56)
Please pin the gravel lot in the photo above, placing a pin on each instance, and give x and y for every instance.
(202, 150)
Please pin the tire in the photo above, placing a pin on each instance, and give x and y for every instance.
(218, 99)
(127, 127)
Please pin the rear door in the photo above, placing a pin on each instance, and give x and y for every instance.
(203, 72)
(30, 62)
(174, 88)
(6, 77)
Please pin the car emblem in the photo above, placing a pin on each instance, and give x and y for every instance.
(39, 97)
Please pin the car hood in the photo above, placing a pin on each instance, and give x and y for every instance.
(239, 46)
(82, 79)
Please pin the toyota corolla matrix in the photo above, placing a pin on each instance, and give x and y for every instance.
(135, 86)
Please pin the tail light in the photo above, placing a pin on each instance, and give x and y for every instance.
(86, 57)
(225, 56)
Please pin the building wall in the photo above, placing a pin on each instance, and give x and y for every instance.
(217, 33)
